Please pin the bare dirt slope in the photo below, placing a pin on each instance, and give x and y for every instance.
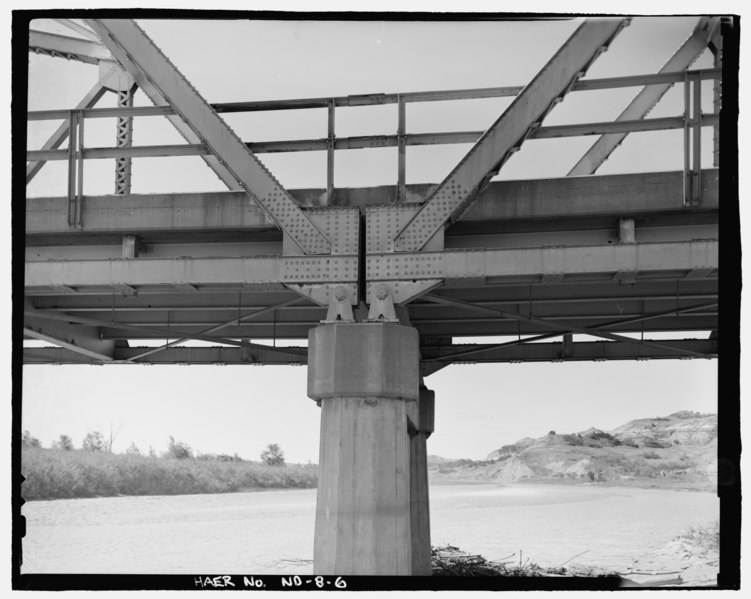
(675, 450)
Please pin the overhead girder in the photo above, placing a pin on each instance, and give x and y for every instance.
(78, 28)
(70, 48)
(157, 76)
(506, 135)
(535, 264)
(601, 262)
(434, 357)
(648, 97)
(543, 202)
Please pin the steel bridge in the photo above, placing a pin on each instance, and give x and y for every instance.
(382, 282)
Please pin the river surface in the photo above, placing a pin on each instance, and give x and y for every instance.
(268, 532)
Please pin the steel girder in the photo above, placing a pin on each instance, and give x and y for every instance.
(434, 357)
(648, 97)
(604, 262)
(154, 73)
(627, 260)
(70, 48)
(538, 202)
(507, 134)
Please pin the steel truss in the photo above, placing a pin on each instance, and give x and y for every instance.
(605, 256)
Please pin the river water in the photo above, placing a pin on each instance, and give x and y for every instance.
(268, 532)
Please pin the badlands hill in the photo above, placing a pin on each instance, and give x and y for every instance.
(676, 450)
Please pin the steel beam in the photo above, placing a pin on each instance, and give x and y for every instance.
(567, 328)
(647, 98)
(55, 318)
(383, 141)
(62, 132)
(507, 134)
(140, 56)
(578, 351)
(70, 48)
(80, 29)
(596, 261)
(160, 274)
(81, 339)
(245, 317)
(256, 355)
(598, 351)
(393, 98)
(542, 200)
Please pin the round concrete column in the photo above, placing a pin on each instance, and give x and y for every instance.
(363, 375)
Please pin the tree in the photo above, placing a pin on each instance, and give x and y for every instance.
(273, 455)
(93, 441)
(111, 438)
(133, 450)
(178, 450)
(64, 443)
(29, 441)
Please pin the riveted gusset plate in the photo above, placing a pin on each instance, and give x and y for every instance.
(341, 226)
(383, 223)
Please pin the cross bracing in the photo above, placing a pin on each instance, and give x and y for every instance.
(611, 255)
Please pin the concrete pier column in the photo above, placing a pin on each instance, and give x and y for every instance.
(420, 424)
(364, 375)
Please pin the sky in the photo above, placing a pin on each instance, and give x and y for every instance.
(235, 409)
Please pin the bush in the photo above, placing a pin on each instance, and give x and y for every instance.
(273, 455)
(55, 474)
(64, 442)
(93, 442)
(28, 441)
(178, 450)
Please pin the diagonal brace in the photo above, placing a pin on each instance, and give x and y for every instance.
(507, 134)
(562, 327)
(243, 318)
(611, 323)
(151, 68)
(647, 98)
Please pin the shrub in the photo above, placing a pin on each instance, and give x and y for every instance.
(64, 443)
(273, 455)
(93, 442)
(53, 474)
(28, 441)
(178, 450)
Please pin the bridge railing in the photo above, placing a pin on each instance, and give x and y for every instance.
(691, 121)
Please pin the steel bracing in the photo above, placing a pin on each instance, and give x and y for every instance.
(605, 267)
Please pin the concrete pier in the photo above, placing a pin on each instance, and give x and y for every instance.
(365, 376)
(420, 425)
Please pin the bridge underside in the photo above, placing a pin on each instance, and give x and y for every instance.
(555, 257)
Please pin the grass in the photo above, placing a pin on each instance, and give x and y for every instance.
(56, 474)
(703, 538)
